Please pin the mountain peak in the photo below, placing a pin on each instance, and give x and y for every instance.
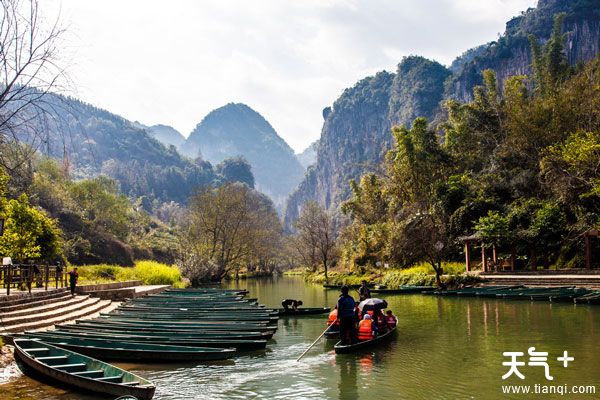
(236, 129)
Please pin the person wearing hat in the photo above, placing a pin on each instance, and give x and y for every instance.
(367, 330)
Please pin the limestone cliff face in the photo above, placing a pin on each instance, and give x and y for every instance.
(510, 55)
(356, 132)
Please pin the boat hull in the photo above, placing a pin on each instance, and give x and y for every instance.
(351, 348)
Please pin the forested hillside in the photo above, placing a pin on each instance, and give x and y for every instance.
(237, 130)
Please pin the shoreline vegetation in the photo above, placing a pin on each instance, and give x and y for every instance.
(149, 272)
(418, 275)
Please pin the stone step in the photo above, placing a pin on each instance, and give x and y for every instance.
(61, 302)
(36, 303)
(31, 317)
(93, 306)
(26, 298)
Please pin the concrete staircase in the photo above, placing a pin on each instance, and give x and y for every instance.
(579, 280)
(45, 309)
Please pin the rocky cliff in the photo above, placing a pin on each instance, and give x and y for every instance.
(355, 134)
(356, 131)
(510, 55)
(237, 130)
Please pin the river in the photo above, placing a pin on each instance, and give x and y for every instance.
(446, 348)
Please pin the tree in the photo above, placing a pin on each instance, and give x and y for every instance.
(29, 70)
(315, 236)
(236, 169)
(28, 233)
(227, 228)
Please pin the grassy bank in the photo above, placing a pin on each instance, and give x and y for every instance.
(149, 272)
(421, 274)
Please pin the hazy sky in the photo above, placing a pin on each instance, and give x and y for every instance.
(172, 62)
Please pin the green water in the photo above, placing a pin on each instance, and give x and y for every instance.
(447, 348)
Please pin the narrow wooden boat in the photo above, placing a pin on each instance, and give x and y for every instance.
(176, 332)
(350, 348)
(331, 286)
(79, 371)
(191, 324)
(333, 332)
(195, 318)
(591, 298)
(194, 341)
(407, 289)
(304, 311)
(105, 349)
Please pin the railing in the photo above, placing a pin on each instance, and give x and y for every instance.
(24, 276)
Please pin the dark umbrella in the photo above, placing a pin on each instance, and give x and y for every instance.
(373, 304)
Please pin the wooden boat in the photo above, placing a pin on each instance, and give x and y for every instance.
(175, 332)
(195, 322)
(108, 349)
(79, 371)
(214, 325)
(350, 348)
(304, 311)
(195, 318)
(406, 289)
(333, 332)
(591, 298)
(238, 344)
(331, 286)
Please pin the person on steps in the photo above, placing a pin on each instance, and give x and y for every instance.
(73, 276)
(287, 303)
(345, 311)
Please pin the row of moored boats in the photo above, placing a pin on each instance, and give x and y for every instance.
(174, 326)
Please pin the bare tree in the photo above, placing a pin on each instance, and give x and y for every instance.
(315, 237)
(29, 71)
(228, 228)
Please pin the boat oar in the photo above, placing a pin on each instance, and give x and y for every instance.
(313, 343)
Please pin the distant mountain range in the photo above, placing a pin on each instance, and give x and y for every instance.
(356, 129)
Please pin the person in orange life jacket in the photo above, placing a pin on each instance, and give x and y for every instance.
(333, 317)
(367, 329)
(377, 318)
(345, 314)
(390, 320)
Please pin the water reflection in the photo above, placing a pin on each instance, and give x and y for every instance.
(446, 348)
(347, 385)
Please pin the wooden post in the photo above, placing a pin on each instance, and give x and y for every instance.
(513, 258)
(495, 257)
(468, 256)
(483, 259)
(588, 251)
(8, 278)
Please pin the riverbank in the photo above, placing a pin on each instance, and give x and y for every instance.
(420, 275)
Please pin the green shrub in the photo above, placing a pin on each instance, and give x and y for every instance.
(149, 272)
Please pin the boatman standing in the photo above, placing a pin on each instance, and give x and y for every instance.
(363, 291)
(345, 314)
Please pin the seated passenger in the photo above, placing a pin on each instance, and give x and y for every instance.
(390, 320)
(367, 330)
(333, 317)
